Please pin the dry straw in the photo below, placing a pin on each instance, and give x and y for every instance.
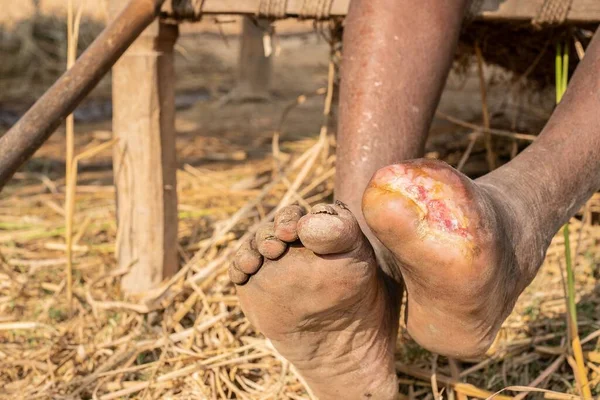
(188, 339)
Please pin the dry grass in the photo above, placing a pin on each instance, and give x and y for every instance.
(189, 338)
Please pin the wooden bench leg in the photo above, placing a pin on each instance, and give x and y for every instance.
(144, 159)
(254, 79)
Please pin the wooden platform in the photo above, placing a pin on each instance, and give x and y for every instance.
(581, 11)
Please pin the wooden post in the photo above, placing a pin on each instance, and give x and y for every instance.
(254, 75)
(144, 158)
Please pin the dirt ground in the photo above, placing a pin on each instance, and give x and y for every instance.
(193, 341)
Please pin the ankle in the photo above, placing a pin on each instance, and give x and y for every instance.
(525, 234)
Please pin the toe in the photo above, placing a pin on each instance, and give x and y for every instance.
(286, 222)
(330, 229)
(267, 243)
(247, 259)
(237, 276)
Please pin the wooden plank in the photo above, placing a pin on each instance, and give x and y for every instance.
(582, 11)
(144, 158)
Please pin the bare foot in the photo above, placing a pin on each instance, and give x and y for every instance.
(311, 285)
(461, 250)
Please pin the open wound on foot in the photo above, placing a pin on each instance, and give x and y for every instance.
(433, 201)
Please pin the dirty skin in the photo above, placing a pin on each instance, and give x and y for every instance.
(324, 285)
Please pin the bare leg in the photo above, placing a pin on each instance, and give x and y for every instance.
(467, 249)
(554, 176)
(397, 54)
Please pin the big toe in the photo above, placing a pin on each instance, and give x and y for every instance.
(330, 229)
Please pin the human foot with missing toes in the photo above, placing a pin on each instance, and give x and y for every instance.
(467, 249)
(463, 256)
(310, 283)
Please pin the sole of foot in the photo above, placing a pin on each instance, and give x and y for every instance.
(311, 285)
(456, 248)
